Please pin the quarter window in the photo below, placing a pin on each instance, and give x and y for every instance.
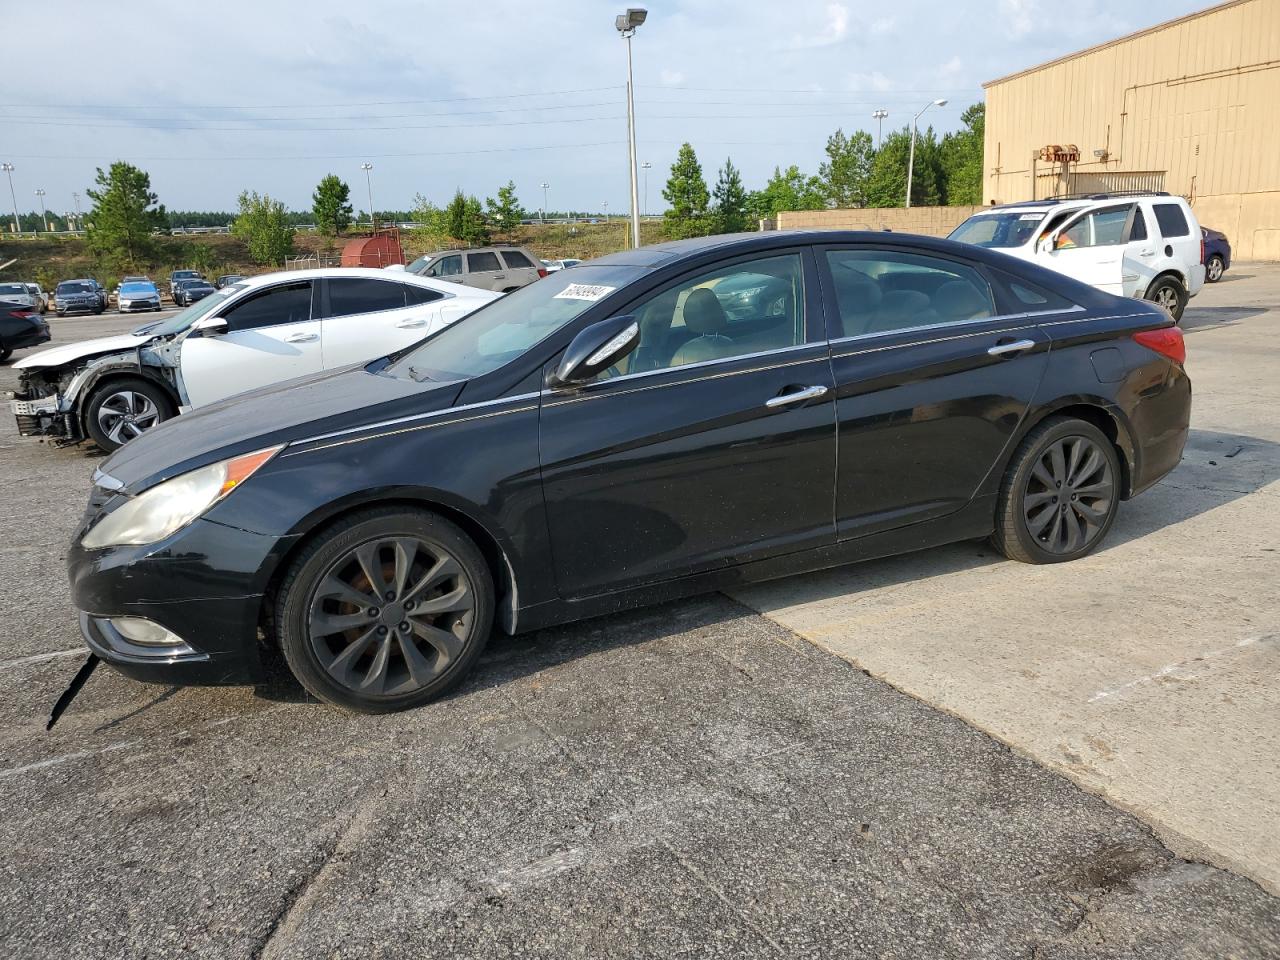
(352, 295)
(1171, 220)
(516, 260)
(416, 295)
(749, 307)
(480, 262)
(1138, 229)
(289, 303)
(879, 291)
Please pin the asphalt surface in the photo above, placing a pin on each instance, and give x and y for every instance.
(688, 780)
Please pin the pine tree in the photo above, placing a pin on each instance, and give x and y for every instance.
(844, 174)
(729, 214)
(331, 205)
(505, 213)
(962, 157)
(122, 218)
(686, 191)
(264, 225)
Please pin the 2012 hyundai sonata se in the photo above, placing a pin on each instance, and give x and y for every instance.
(671, 419)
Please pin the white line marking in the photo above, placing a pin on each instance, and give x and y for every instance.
(1180, 665)
(41, 657)
(65, 758)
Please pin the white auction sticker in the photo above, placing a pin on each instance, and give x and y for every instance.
(1031, 216)
(584, 291)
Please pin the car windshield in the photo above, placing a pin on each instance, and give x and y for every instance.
(12, 289)
(127, 288)
(506, 329)
(418, 265)
(1011, 229)
(201, 308)
(184, 274)
(75, 286)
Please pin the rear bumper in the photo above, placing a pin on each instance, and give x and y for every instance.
(1161, 423)
(34, 338)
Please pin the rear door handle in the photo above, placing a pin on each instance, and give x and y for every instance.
(413, 322)
(1014, 346)
(798, 396)
(301, 337)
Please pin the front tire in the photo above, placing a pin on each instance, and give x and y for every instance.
(5, 352)
(120, 410)
(1214, 269)
(385, 611)
(1060, 494)
(1167, 292)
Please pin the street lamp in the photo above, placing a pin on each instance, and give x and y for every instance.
(545, 188)
(646, 165)
(911, 158)
(606, 211)
(9, 168)
(76, 198)
(626, 24)
(43, 218)
(878, 116)
(368, 182)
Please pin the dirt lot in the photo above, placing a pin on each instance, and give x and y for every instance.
(693, 779)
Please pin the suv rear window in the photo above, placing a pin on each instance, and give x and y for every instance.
(477, 262)
(515, 259)
(1171, 220)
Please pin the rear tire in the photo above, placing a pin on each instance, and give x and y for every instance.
(393, 644)
(1214, 269)
(1060, 494)
(120, 410)
(5, 352)
(1167, 292)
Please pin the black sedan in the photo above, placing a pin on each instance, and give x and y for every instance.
(20, 326)
(672, 419)
(187, 292)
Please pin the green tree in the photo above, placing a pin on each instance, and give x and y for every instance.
(848, 164)
(465, 220)
(331, 204)
(433, 234)
(505, 213)
(962, 157)
(787, 190)
(263, 223)
(887, 183)
(124, 214)
(686, 191)
(729, 208)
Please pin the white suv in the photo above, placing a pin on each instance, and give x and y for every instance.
(1136, 245)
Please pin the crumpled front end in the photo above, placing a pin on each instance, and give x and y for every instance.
(39, 409)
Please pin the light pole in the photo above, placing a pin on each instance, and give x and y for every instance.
(9, 168)
(626, 24)
(368, 182)
(545, 187)
(911, 158)
(43, 218)
(76, 198)
(646, 166)
(878, 116)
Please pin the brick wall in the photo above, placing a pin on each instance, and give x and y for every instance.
(930, 221)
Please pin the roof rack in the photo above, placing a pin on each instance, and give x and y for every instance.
(1107, 195)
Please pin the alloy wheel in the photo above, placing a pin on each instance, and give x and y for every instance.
(127, 414)
(1215, 269)
(1167, 297)
(391, 615)
(1070, 495)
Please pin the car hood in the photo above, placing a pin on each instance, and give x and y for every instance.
(60, 356)
(282, 413)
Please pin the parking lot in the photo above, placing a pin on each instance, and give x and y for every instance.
(936, 755)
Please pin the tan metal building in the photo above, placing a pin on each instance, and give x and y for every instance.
(1191, 106)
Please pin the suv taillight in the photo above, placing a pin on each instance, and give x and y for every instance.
(1202, 248)
(542, 272)
(1167, 341)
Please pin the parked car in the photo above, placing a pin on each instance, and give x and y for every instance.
(227, 279)
(574, 448)
(1136, 245)
(41, 297)
(250, 334)
(181, 275)
(20, 326)
(1217, 254)
(187, 292)
(22, 295)
(135, 295)
(79, 296)
(554, 265)
(490, 268)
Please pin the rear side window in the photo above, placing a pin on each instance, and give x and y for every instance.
(1171, 220)
(418, 295)
(289, 303)
(480, 262)
(515, 259)
(352, 295)
(879, 291)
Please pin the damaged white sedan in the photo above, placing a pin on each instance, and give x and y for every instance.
(250, 334)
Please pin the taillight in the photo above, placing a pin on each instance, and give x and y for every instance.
(1202, 249)
(542, 272)
(23, 314)
(1167, 341)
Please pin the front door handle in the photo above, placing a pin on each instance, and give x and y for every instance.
(301, 337)
(1014, 346)
(797, 396)
(412, 323)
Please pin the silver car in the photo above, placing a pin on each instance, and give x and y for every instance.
(23, 294)
(502, 269)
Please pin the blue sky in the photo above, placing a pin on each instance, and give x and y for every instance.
(271, 96)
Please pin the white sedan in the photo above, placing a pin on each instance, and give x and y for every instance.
(252, 333)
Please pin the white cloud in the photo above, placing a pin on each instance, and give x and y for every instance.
(882, 26)
(834, 29)
(1020, 16)
(951, 69)
(671, 78)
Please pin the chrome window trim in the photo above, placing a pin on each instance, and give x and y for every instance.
(419, 416)
(698, 364)
(1024, 315)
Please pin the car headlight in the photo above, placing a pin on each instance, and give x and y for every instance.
(126, 303)
(169, 506)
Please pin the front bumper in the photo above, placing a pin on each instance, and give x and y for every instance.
(38, 418)
(203, 584)
(76, 306)
(137, 306)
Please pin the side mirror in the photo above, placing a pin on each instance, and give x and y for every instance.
(212, 326)
(597, 348)
(1049, 243)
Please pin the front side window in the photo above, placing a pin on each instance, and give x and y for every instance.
(880, 291)
(446, 267)
(1172, 221)
(749, 307)
(352, 295)
(1101, 228)
(289, 303)
(480, 262)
